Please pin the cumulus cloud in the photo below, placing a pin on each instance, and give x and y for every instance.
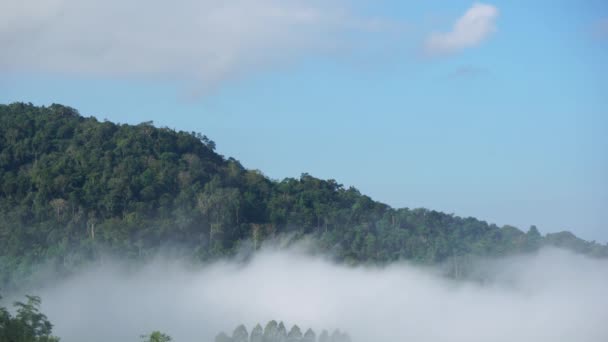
(470, 30)
(551, 296)
(207, 40)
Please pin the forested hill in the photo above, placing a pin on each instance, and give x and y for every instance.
(71, 186)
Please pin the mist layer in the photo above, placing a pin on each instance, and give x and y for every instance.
(545, 297)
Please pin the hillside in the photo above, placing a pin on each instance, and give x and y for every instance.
(72, 187)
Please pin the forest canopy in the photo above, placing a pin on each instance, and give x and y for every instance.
(74, 187)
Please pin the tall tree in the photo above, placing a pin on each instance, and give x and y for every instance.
(309, 336)
(271, 331)
(257, 334)
(240, 334)
(281, 333)
(295, 334)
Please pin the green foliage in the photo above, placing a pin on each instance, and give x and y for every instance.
(72, 188)
(156, 336)
(28, 325)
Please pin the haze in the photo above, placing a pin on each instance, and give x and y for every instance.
(546, 297)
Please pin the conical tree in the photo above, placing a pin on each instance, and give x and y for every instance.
(257, 334)
(281, 333)
(240, 334)
(295, 334)
(270, 332)
(324, 337)
(309, 336)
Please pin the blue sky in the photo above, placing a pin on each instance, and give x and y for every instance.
(495, 110)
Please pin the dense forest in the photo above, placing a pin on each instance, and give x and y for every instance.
(73, 188)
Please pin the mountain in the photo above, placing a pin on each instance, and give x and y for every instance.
(74, 187)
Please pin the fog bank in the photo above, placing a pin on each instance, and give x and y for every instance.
(546, 297)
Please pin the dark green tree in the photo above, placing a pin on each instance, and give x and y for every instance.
(28, 325)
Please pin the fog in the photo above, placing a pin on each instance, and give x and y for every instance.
(549, 296)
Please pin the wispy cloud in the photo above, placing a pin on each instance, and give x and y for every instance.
(209, 41)
(475, 26)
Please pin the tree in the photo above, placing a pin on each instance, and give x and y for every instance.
(281, 333)
(271, 331)
(257, 334)
(533, 239)
(295, 334)
(240, 334)
(309, 336)
(156, 336)
(28, 325)
(221, 206)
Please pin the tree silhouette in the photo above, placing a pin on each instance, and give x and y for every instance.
(257, 334)
(240, 334)
(309, 336)
(295, 334)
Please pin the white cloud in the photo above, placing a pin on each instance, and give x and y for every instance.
(475, 26)
(551, 296)
(206, 40)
